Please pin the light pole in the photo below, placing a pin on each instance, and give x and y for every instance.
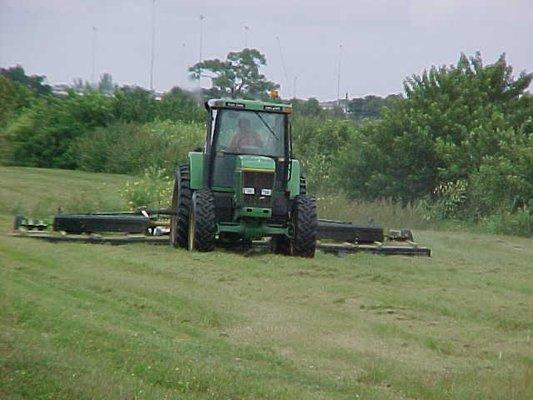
(285, 75)
(339, 76)
(201, 34)
(246, 29)
(93, 57)
(152, 50)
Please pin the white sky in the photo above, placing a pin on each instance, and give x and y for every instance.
(383, 41)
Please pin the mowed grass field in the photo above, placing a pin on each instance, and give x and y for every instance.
(80, 321)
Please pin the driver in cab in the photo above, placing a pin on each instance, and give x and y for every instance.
(245, 137)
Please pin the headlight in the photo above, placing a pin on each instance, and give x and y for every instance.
(248, 190)
(266, 192)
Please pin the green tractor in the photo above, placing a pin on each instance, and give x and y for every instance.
(244, 185)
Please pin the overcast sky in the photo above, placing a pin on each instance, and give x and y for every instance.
(382, 41)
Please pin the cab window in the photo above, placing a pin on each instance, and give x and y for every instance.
(251, 132)
(245, 132)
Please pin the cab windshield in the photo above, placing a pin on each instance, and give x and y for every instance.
(250, 132)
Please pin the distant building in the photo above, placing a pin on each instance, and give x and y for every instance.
(60, 89)
(332, 104)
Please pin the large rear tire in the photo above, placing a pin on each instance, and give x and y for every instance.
(181, 205)
(305, 225)
(202, 221)
(303, 185)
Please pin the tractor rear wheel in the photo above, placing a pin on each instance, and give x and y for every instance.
(202, 221)
(303, 185)
(305, 225)
(181, 204)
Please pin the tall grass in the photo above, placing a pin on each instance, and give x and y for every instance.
(384, 212)
(419, 215)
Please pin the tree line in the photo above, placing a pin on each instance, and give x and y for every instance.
(459, 139)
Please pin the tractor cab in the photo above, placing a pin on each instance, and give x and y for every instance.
(238, 133)
(247, 175)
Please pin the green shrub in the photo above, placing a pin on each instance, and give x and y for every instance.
(180, 105)
(152, 190)
(42, 136)
(504, 181)
(518, 223)
(130, 148)
(134, 104)
(317, 144)
(14, 97)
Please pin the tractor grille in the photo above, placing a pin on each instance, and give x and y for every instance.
(258, 181)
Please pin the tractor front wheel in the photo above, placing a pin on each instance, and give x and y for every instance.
(305, 225)
(202, 222)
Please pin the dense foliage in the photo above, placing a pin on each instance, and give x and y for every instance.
(49, 131)
(35, 83)
(42, 135)
(130, 148)
(463, 138)
(369, 106)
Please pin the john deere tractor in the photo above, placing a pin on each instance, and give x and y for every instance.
(244, 185)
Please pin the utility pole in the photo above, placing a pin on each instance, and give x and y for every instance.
(285, 75)
(294, 86)
(93, 57)
(152, 50)
(246, 29)
(339, 76)
(201, 34)
(181, 53)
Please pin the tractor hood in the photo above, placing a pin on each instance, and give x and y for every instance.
(255, 163)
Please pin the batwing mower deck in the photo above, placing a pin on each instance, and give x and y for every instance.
(152, 227)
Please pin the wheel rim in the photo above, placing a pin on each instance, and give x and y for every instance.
(191, 230)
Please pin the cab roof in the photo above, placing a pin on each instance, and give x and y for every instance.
(253, 105)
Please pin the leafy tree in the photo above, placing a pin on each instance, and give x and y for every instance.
(105, 85)
(454, 122)
(237, 76)
(180, 105)
(43, 135)
(13, 98)
(134, 104)
(309, 108)
(33, 82)
(317, 142)
(369, 106)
